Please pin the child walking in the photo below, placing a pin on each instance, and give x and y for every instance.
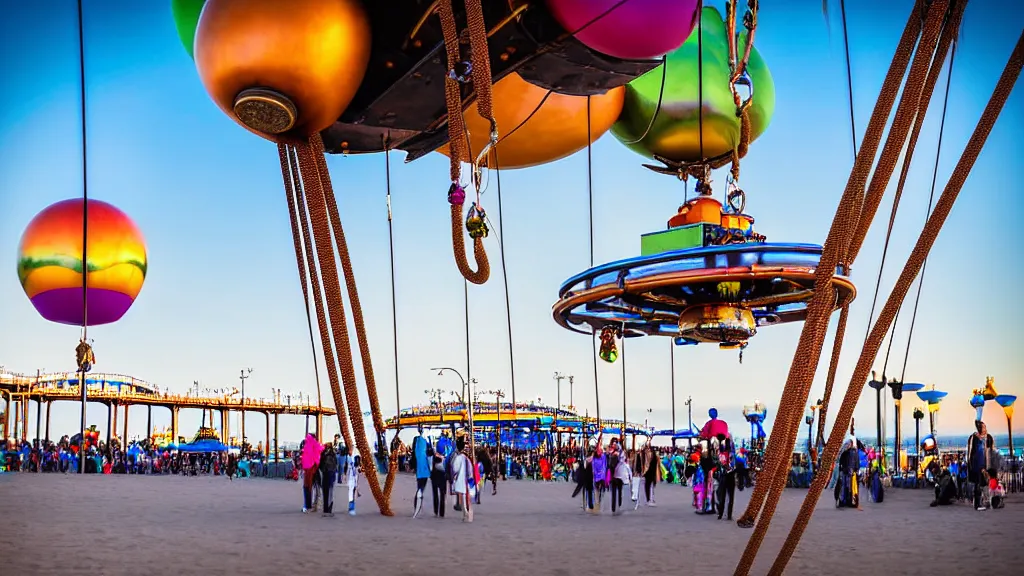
(353, 484)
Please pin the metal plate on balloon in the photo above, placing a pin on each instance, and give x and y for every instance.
(656, 295)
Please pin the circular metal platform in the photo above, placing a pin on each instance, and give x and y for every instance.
(648, 295)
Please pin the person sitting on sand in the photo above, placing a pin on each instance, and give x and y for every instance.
(945, 487)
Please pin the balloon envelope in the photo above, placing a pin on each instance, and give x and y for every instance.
(678, 123)
(50, 263)
(186, 18)
(633, 30)
(537, 126)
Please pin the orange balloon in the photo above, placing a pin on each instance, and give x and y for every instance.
(537, 126)
(314, 53)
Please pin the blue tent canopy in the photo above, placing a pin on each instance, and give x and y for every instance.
(203, 446)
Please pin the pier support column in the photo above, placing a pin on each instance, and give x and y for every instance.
(110, 427)
(276, 452)
(149, 422)
(174, 424)
(16, 408)
(48, 404)
(320, 427)
(24, 420)
(266, 446)
(124, 439)
(39, 418)
(113, 427)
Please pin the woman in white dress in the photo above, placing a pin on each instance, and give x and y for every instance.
(461, 469)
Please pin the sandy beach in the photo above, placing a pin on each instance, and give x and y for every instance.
(55, 524)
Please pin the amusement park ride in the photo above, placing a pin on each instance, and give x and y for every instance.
(506, 84)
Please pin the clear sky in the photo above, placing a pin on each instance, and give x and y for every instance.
(222, 290)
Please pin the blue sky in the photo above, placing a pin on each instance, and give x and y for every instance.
(222, 291)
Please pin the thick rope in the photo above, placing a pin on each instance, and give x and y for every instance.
(321, 222)
(905, 118)
(301, 263)
(819, 317)
(791, 404)
(1000, 95)
(357, 311)
(456, 124)
(293, 182)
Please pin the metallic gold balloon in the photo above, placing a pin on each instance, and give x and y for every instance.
(537, 126)
(283, 70)
(674, 133)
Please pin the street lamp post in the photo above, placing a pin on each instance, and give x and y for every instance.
(244, 375)
(689, 413)
(558, 400)
(467, 393)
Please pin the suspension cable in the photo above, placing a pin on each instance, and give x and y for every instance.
(83, 345)
(590, 199)
(504, 277)
(849, 78)
(394, 297)
(931, 198)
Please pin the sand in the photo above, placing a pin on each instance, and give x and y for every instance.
(112, 525)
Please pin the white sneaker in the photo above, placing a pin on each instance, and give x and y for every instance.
(305, 510)
(981, 508)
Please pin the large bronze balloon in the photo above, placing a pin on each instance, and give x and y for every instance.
(674, 134)
(284, 70)
(537, 126)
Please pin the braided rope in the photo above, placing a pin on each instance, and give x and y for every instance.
(457, 128)
(833, 366)
(301, 263)
(913, 92)
(853, 193)
(812, 338)
(293, 183)
(353, 296)
(911, 269)
(481, 58)
(320, 219)
(925, 99)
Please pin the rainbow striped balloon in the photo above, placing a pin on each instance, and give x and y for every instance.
(50, 263)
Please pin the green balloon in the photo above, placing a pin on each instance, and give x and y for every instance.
(186, 19)
(674, 134)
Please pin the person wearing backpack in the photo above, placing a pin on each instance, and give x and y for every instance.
(328, 469)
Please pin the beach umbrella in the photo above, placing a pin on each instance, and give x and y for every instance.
(1006, 401)
(898, 403)
(932, 397)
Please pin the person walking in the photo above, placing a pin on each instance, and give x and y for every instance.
(978, 445)
(310, 460)
(461, 469)
(328, 469)
(438, 482)
(353, 483)
(422, 453)
(727, 474)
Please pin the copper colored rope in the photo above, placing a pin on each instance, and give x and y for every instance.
(302, 264)
(801, 374)
(317, 146)
(833, 365)
(791, 405)
(948, 35)
(481, 58)
(457, 147)
(917, 101)
(293, 183)
(910, 271)
(320, 220)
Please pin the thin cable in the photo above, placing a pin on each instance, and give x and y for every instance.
(504, 277)
(849, 78)
(622, 358)
(469, 366)
(931, 199)
(85, 233)
(394, 297)
(590, 199)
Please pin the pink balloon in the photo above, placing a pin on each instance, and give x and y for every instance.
(628, 29)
